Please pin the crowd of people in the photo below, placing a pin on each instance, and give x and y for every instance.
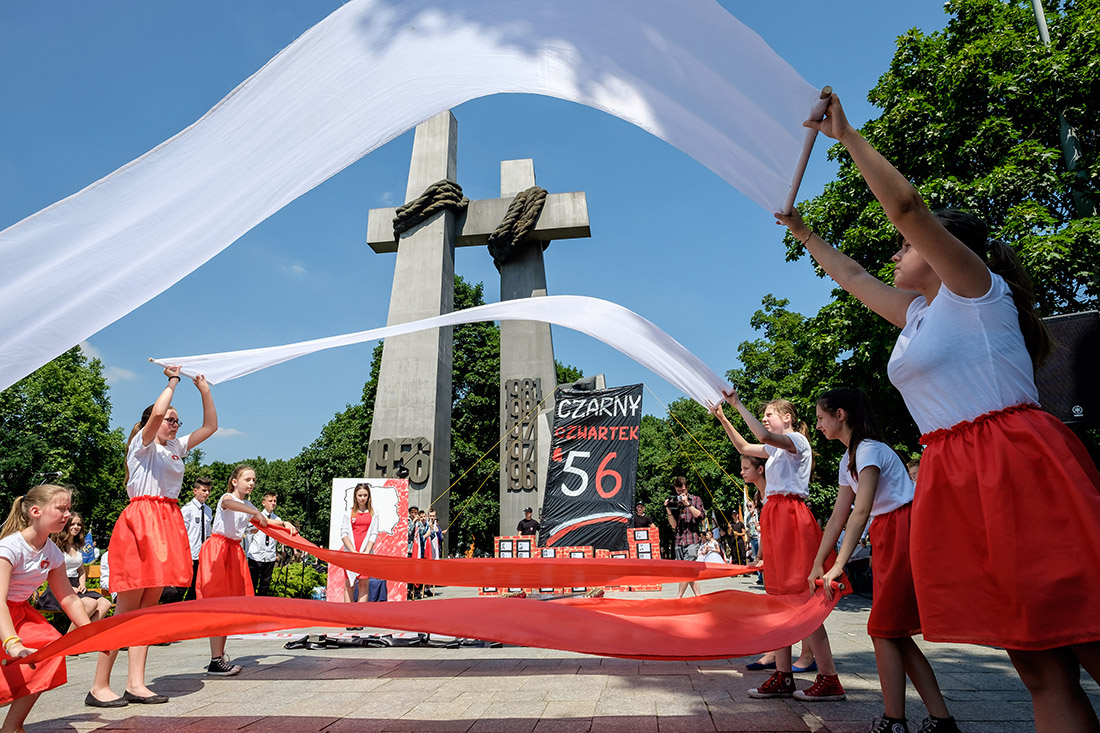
(948, 561)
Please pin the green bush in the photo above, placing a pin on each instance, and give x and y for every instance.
(297, 580)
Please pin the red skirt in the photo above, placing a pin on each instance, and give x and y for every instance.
(894, 604)
(149, 547)
(791, 539)
(1005, 541)
(223, 569)
(20, 680)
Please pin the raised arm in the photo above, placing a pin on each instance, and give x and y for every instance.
(960, 269)
(741, 445)
(209, 414)
(885, 300)
(160, 407)
(776, 440)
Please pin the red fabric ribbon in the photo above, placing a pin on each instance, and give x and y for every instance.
(712, 626)
(514, 572)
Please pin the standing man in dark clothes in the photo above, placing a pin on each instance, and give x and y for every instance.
(640, 518)
(527, 526)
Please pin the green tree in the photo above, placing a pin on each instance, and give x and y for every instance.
(57, 419)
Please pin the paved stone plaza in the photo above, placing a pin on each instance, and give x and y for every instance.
(515, 689)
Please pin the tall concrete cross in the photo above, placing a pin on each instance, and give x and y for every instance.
(412, 412)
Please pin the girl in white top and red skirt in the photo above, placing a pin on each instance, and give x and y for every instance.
(791, 532)
(149, 547)
(964, 363)
(27, 557)
(223, 567)
(874, 485)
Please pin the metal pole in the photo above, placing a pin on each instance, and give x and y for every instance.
(1071, 149)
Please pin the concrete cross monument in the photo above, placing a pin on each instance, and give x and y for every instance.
(411, 431)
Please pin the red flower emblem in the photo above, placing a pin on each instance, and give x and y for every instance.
(175, 458)
(44, 564)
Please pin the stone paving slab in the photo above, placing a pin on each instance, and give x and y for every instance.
(519, 690)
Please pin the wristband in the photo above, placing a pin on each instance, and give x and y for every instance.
(807, 239)
(10, 640)
(174, 376)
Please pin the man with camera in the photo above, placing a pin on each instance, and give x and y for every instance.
(684, 512)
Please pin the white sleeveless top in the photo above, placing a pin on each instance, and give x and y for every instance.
(959, 358)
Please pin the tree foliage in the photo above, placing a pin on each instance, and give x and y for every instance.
(57, 419)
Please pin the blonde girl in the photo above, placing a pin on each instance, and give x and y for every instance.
(223, 567)
(792, 533)
(27, 557)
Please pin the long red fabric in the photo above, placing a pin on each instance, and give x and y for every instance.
(712, 626)
(515, 572)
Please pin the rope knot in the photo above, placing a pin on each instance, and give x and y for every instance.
(521, 217)
(440, 195)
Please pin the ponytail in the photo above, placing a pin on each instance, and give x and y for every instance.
(860, 418)
(1001, 259)
(19, 517)
(786, 407)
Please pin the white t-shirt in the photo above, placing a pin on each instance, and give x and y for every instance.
(959, 358)
(29, 566)
(789, 473)
(229, 523)
(895, 488)
(155, 469)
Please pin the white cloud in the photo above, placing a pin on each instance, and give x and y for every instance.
(229, 433)
(296, 269)
(115, 374)
(90, 351)
(387, 198)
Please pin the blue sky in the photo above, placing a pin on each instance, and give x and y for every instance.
(89, 86)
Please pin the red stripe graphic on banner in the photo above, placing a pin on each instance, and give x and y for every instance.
(583, 523)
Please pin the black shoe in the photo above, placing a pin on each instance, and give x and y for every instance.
(148, 700)
(94, 702)
(222, 667)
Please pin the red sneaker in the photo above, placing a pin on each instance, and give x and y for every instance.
(780, 684)
(824, 689)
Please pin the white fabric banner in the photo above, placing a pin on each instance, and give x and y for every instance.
(616, 326)
(685, 70)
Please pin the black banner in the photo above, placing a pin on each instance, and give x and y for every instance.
(593, 468)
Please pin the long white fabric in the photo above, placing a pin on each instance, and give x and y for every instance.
(685, 70)
(612, 324)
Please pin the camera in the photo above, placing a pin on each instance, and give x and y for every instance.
(673, 500)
